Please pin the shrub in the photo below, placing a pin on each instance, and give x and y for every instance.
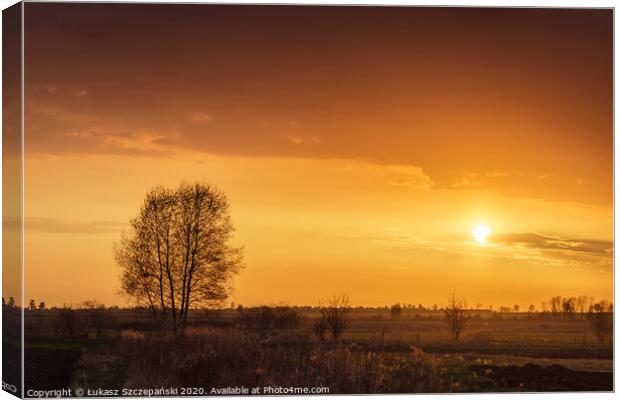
(95, 315)
(286, 317)
(456, 316)
(396, 311)
(336, 314)
(225, 358)
(601, 321)
(266, 318)
(67, 322)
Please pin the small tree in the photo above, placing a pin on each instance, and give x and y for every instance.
(95, 315)
(555, 304)
(456, 316)
(286, 317)
(11, 303)
(568, 306)
(42, 306)
(68, 321)
(396, 311)
(601, 321)
(336, 314)
(581, 304)
(32, 305)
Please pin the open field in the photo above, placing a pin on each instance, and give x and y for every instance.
(376, 353)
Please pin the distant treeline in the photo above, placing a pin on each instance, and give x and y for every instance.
(554, 305)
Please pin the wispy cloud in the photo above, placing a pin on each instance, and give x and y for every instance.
(51, 225)
(299, 140)
(534, 240)
(408, 176)
(536, 248)
(201, 118)
(476, 179)
(55, 130)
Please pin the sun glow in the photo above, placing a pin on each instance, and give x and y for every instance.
(481, 233)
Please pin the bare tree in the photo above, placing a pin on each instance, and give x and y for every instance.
(602, 306)
(556, 304)
(396, 311)
(336, 314)
(568, 306)
(581, 304)
(601, 320)
(177, 254)
(67, 321)
(456, 315)
(95, 314)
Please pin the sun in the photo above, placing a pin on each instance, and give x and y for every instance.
(481, 233)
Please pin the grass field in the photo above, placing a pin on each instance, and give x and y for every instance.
(376, 354)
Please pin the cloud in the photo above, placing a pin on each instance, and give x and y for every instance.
(537, 241)
(455, 245)
(495, 174)
(51, 225)
(54, 130)
(162, 141)
(467, 183)
(299, 140)
(535, 248)
(408, 176)
(475, 179)
(200, 118)
(50, 88)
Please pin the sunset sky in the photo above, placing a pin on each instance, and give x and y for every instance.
(359, 147)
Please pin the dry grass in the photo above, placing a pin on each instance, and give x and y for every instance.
(229, 358)
(254, 348)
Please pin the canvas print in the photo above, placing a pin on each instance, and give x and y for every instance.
(284, 199)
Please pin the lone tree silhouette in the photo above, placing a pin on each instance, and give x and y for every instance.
(456, 315)
(601, 320)
(95, 315)
(336, 314)
(396, 311)
(177, 254)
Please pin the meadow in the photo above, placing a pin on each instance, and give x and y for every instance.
(276, 347)
(180, 157)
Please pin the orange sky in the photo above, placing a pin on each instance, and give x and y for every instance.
(358, 146)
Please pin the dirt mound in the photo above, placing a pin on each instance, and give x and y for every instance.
(553, 378)
(49, 368)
